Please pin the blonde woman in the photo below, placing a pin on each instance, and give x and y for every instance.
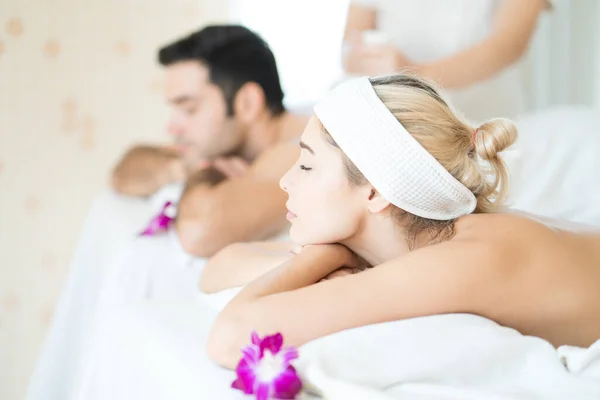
(390, 177)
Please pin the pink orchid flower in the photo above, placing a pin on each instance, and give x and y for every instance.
(162, 221)
(265, 369)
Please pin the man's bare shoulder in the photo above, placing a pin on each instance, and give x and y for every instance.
(274, 162)
(293, 128)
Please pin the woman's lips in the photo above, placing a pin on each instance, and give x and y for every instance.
(290, 215)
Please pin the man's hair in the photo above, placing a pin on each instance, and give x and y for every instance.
(234, 56)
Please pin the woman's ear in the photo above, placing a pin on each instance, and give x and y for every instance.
(376, 202)
(249, 102)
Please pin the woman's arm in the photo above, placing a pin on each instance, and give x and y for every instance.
(240, 263)
(359, 18)
(513, 27)
(445, 278)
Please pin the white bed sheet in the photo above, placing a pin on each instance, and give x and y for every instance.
(455, 354)
(112, 223)
(156, 351)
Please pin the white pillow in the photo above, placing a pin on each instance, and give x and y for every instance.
(218, 301)
(555, 165)
(458, 352)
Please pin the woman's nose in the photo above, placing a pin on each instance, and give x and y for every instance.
(284, 182)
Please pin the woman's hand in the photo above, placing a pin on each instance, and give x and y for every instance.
(341, 272)
(375, 60)
(335, 260)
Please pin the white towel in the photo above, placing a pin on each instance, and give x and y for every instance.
(457, 355)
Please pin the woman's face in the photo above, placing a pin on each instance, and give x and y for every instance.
(323, 207)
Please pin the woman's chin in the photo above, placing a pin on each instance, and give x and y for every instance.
(297, 240)
(301, 241)
(300, 238)
(304, 238)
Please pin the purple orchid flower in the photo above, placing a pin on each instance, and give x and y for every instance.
(162, 221)
(265, 369)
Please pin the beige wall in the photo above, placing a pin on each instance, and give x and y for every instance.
(78, 84)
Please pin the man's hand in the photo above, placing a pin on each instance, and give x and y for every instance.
(145, 169)
(215, 172)
(231, 167)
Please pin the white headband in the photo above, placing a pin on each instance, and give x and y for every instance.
(388, 156)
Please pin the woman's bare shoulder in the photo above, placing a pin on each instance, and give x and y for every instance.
(524, 241)
(521, 219)
(503, 229)
(515, 231)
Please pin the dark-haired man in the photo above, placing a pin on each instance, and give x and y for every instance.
(233, 140)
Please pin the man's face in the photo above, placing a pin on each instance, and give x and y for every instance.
(198, 122)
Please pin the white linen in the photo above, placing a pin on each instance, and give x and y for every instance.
(554, 165)
(150, 267)
(456, 354)
(155, 351)
(218, 301)
(113, 221)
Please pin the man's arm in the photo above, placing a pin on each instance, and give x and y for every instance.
(242, 209)
(143, 170)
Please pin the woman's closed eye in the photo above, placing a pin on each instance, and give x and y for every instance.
(304, 167)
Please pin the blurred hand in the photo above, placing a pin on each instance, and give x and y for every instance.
(185, 166)
(175, 171)
(231, 167)
(374, 59)
(144, 169)
(198, 166)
